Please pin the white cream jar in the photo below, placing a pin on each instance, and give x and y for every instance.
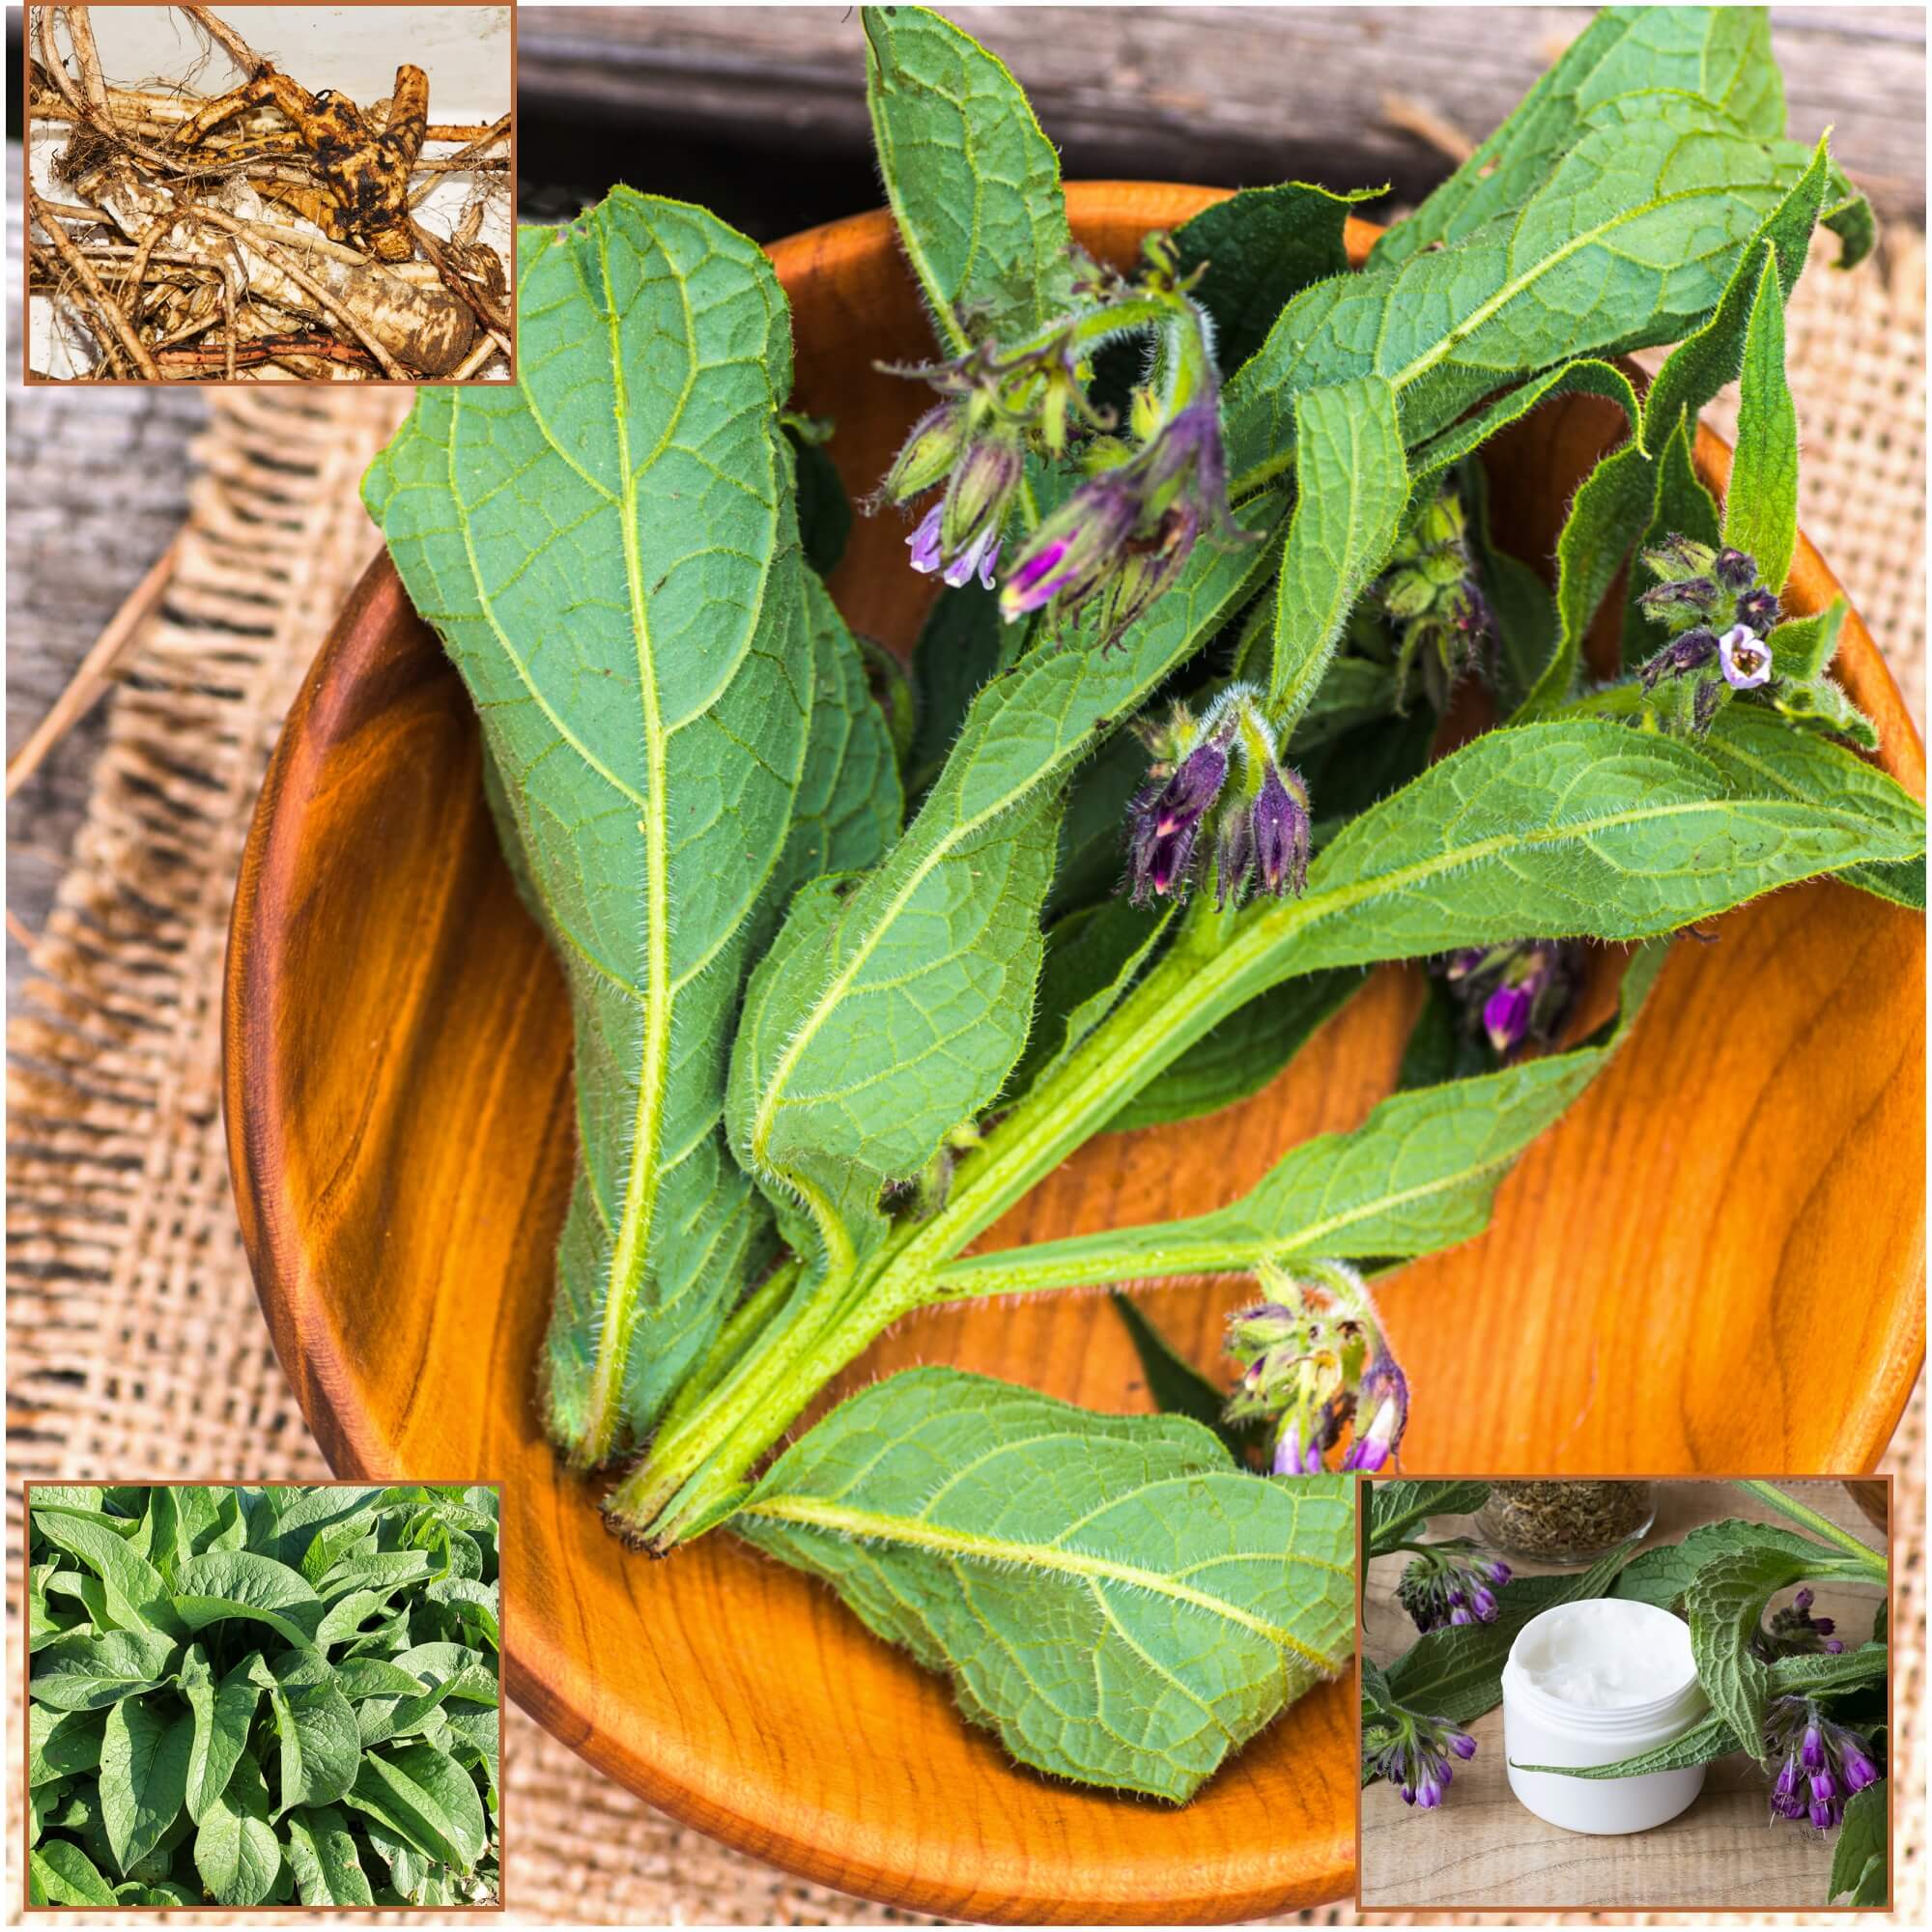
(1593, 1683)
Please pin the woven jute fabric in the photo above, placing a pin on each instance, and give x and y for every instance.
(137, 1349)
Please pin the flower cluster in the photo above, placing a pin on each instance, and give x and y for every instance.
(1795, 1631)
(1126, 531)
(1451, 1582)
(1313, 1358)
(1435, 604)
(1721, 618)
(1823, 1763)
(1262, 832)
(1413, 1752)
(1516, 994)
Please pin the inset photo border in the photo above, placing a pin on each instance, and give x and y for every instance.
(270, 193)
(255, 1696)
(1647, 1694)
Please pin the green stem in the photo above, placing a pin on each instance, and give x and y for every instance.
(1873, 1560)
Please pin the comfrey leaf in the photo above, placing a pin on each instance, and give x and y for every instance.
(974, 184)
(144, 1759)
(1417, 1176)
(1630, 241)
(890, 1010)
(1761, 502)
(1726, 1602)
(1711, 1738)
(609, 552)
(1861, 1860)
(1719, 53)
(1619, 500)
(1059, 1564)
(1397, 1509)
(1352, 490)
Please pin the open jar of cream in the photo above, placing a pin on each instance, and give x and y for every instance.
(1591, 1684)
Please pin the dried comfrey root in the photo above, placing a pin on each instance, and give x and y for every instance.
(179, 232)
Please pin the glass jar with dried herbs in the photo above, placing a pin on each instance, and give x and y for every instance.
(1565, 1522)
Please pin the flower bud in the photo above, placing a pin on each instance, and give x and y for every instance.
(1759, 608)
(1691, 651)
(1733, 569)
(927, 455)
(1281, 830)
(980, 493)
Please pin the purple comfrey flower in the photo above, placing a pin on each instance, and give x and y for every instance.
(984, 482)
(1795, 1631)
(1823, 1763)
(1312, 1358)
(1760, 609)
(1451, 1582)
(1384, 1398)
(1129, 530)
(1164, 822)
(1075, 550)
(1413, 1751)
(980, 556)
(1281, 827)
(1517, 994)
(1744, 657)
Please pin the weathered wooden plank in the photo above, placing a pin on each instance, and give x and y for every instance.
(1215, 94)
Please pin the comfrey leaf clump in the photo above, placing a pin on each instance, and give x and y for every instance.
(848, 990)
(1125, 533)
(1313, 1358)
(1227, 763)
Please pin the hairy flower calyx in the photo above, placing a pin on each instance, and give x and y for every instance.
(1313, 1358)
(1433, 601)
(1720, 617)
(1264, 828)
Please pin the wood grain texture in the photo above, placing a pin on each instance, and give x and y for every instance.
(1228, 94)
(399, 1120)
(1482, 1850)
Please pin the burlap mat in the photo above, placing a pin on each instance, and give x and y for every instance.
(136, 1350)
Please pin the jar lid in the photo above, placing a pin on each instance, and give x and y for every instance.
(1606, 1664)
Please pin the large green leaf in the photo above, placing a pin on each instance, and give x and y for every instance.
(136, 1593)
(85, 1671)
(1861, 1859)
(222, 1714)
(144, 1754)
(320, 1743)
(1725, 1603)
(1352, 490)
(1419, 1174)
(60, 1873)
(972, 182)
(1108, 1592)
(1628, 241)
(892, 1009)
(235, 1849)
(1761, 500)
(1397, 1509)
(1711, 1737)
(61, 1744)
(226, 1583)
(385, 1790)
(678, 721)
(322, 1854)
(1620, 499)
(1721, 54)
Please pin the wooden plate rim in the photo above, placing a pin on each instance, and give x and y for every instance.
(361, 666)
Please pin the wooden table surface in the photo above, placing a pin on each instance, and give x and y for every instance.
(1482, 1850)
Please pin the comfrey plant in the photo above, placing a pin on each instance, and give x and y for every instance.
(1781, 1685)
(845, 991)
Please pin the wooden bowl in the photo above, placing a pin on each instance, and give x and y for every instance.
(1713, 1264)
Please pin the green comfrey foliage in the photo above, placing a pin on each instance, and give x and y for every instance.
(1214, 544)
(1781, 1685)
(262, 1696)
